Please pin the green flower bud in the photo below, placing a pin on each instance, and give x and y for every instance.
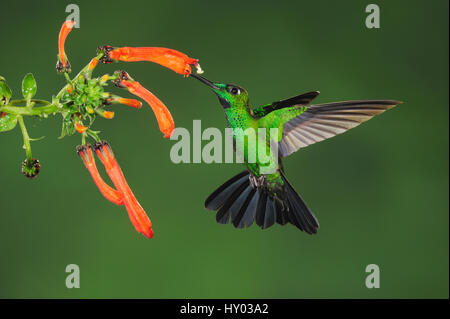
(31, 168)
(29, 86)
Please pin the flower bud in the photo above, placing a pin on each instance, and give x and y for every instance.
(31, 168)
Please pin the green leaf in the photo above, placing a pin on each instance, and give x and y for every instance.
(5, 91)
(68, 127)
(29, 86)
(37, 139)
(8, 122)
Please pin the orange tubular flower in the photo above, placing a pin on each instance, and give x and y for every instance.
(107, 114)
(163, 116)
(80, 128)
(172, 59)
(85, 152)
(63, 64)
(130, 102)
(92, 64)
(136, 213)
(104, 78)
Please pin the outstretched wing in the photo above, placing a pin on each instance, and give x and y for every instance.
(323, 121)
(299, 100)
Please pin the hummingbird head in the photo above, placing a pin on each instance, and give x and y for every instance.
(229, 95)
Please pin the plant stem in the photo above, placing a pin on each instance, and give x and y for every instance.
(26, 138)
(66, 75)
(48, 109)
(93, 135)
(36, 101)
(29, 104)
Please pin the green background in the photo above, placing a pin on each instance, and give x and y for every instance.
(380, 191)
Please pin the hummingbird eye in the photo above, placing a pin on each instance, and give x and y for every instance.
(234, 90)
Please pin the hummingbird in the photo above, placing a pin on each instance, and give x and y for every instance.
(255, 196)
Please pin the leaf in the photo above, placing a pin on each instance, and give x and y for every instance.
(5, 91)
(37, 139)
(67, 127)
(8, 122)
(29, 86)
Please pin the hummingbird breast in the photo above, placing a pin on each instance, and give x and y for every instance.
(247, 141)
(239, 118)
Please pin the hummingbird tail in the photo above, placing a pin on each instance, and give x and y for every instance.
(298, 212)
(240, 201)
(235, 197)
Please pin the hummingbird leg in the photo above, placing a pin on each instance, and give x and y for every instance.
(281, 203)
(252, 179)
(256, 182)
(261, 181)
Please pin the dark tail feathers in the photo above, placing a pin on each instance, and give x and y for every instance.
(237, 200)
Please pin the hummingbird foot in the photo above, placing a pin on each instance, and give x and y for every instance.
(281, 203)
(256, 182)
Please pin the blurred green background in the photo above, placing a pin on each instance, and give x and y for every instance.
(380, 191)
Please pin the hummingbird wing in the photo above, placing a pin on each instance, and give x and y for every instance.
(322, 121)
(299, 100)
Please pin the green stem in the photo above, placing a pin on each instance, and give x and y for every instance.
(66, 75)
(93, 135)
(48, 109)
(36, 101)
(29, 104)
(26, 138)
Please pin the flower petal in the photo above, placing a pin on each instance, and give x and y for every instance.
(169, 58)
(85, 152)
(80, 128)
(136, 213)
(163, 116)
(63, 63)
(130, 102)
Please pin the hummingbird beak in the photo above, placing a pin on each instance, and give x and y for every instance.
(218, 89)
(205, 81)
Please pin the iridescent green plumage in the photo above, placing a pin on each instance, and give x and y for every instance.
(262, 193)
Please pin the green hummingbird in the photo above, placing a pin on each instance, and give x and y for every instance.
(266, 198)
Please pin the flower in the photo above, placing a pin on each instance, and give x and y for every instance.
(63, 64)
(163, 116)
(114, 99)
(122, 195)
(80, 128)
(136, 213)
(92, 64)
(130, 102)
(104, 78)
(31, 168)
(85, 152)
(107, 114)
(169, 58)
